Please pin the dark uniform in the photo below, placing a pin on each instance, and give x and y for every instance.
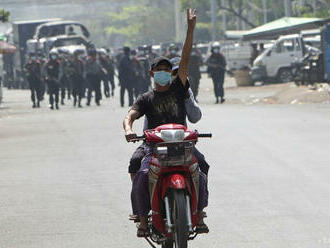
(76, 68)
(111, 74)
(194, 71)
(126, 77)
(216, 68)
(139, 76)
(33, 76)
(66, 84)
(53, 72)
(93, 74)
(145, 79)
(109, 66)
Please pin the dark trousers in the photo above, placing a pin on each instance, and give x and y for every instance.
(194, 85)
(94, 84)
(53, 91)
(112, 83)
(218, 81)
(36, 90)
(77, 88)
(106, 88)
(124, 88)
(66, 85)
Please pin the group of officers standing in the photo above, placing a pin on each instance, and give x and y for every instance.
(78, 76)
(73, 76)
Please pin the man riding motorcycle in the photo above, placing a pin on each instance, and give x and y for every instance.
(194, 114)
(165, 104)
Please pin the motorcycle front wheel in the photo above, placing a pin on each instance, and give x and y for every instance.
(180, 222)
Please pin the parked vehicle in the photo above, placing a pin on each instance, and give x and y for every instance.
(237, 54)
(58, 34)
(275, 63)
(173, 180)
(14, 64)
(45, 45)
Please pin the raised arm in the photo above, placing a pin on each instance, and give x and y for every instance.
(183, 67)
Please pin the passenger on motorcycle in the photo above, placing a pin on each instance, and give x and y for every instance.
(165, 104)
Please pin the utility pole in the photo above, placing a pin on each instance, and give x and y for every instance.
(314, 8)
(213, 19)
(264, 8)
(224, 17)
(288, 8)
(177, 20)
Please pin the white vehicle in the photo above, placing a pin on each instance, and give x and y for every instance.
(237, 55)
(275, 62)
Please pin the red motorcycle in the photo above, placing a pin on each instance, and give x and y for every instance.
(173, 184)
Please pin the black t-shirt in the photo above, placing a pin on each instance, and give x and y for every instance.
(163, 107)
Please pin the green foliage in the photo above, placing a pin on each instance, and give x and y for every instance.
(4, 15)
(140, 24)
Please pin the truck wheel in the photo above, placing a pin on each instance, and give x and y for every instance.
(284, 75)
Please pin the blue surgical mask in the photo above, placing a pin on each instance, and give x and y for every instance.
(162, 77)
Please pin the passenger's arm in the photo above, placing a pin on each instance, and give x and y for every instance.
(183, 67)
(194, 113)
(128, 124)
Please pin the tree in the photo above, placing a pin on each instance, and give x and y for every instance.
(4, 15)
(141, 23)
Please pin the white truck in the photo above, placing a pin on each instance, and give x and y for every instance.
(275, 63)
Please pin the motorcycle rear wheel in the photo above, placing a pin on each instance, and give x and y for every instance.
(180, 220)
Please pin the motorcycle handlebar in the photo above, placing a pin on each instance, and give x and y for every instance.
(200, 135)
(204, 135)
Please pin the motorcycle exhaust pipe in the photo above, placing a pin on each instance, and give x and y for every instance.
(168, 215)
(189, 214)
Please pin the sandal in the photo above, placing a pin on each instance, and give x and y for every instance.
(134, 218)
(202, 228)
(142, 232)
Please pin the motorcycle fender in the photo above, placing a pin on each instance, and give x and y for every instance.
(174, 181)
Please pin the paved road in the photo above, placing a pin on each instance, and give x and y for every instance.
(64, 182)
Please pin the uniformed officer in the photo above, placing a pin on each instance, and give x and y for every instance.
(76, 68)
(93, 73)
(216, 67)
(33, 76)
(126, 76)
(194, 72)
(53, 72)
